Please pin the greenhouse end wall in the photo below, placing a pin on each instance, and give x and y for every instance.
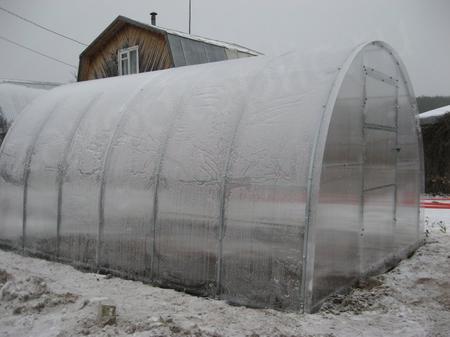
(255, 181)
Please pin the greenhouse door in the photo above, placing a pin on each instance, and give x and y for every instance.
(379, 168)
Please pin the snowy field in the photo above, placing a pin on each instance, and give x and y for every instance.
(41, 298)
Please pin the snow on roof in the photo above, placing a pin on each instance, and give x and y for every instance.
(432, 116)
(436, 112)
(224, 44)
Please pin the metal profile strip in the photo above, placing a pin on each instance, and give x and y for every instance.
(157, 174)
(27, 166)
(313, 182)
(63, 166)
(378, 187)
(382, 77)
(343, 164)
(380, 127)
(363, 179)
(106, 164)
(397, 108)
(225, 186)
(177, 112)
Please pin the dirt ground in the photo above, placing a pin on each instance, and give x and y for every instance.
(42, 298)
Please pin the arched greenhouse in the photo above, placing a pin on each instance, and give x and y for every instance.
(265, 181)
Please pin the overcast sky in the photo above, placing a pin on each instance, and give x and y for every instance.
(418, 29)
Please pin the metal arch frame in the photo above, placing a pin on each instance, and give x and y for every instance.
(225, 183)
(177, 112)
(63, 165)
(107, 160)
(315, 168)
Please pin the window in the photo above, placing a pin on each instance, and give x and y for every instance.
(128, 60)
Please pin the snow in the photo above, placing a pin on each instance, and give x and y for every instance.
(432, 115)
(15, 97)
(43, 298)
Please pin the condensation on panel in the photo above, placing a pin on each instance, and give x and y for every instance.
(196, 178)
(190, 196)
(15, 154)
(266, 190)
(337, 226)
(45, 169)
(131, 176)
(82, 178)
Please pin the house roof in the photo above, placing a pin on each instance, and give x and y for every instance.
(122, 21)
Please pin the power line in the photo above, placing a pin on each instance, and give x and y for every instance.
(37, 52)
(40, 26)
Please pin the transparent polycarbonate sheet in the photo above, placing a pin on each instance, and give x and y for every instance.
(82, 178)
(338, 230)
(377, 243)
(381, 102)
(266, 189)
(215, 53)
(377, 58)
(177, 50)
(407, 230)
(193, 52)
(132, 173)
(211, 178)
(338, 226)
(45, 169)
(190, 194)
(14, 159)
(380, 154)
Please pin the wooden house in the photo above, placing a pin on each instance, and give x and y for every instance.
(127, 46)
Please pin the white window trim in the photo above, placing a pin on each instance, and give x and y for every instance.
(127, 51)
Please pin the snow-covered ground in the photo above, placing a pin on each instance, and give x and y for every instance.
(42, 298)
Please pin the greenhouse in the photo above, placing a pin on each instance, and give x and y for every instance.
(266, 181)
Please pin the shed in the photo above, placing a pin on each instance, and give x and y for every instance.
(127, 46)
(268, 181)
(436, 140)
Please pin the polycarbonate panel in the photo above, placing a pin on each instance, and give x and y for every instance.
(377, 57)
(134, 170)
(190, 192)
(367, 215)
(45, 169)
(82, 177)
(338, 226)
(215, 53)
(193, 51)
(380, 156)
(407, 229)
(266, 189)
(211, 178)
(381, 102)
(14, 158)
(177, 50)
(378, 228)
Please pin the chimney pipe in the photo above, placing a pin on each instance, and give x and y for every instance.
(153, 16)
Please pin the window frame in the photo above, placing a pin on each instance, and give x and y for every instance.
(127, 51)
